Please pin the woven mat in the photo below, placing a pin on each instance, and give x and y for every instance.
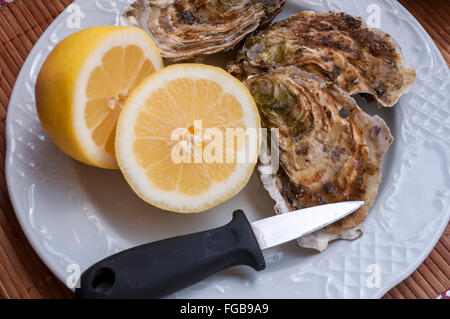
(22, 273)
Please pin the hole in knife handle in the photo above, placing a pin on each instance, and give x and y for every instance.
(103, 280)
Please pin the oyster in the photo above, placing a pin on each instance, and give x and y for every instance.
(184, 29)
(335, 46)
(330, 150)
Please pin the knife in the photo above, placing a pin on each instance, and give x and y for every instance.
(160, 268)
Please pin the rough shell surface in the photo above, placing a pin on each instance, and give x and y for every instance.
(184, 29)
(338, 47)
(329, 149)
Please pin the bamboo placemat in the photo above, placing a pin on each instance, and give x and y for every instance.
(23, 274)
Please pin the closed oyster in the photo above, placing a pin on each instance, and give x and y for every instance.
(337, 47)
(184, 29)
(330, 150)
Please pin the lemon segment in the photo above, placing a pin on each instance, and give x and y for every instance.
(177, 99)
(83, 85)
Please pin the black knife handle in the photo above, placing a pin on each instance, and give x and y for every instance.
(160, 268)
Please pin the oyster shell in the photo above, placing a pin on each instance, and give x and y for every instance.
(330, 150)
(184, 29)
(337, 47)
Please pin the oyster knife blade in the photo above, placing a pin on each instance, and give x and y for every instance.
(276, 230)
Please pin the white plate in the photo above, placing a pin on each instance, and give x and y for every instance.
(75, 214)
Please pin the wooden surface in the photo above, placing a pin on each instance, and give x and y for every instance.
(22, 273)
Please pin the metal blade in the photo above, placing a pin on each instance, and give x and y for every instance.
(282, 228)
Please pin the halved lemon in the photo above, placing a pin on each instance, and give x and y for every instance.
(83, 85)
(173, 114)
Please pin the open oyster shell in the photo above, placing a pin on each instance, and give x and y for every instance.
(330, 150)
(337, 47)
(184, 29)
